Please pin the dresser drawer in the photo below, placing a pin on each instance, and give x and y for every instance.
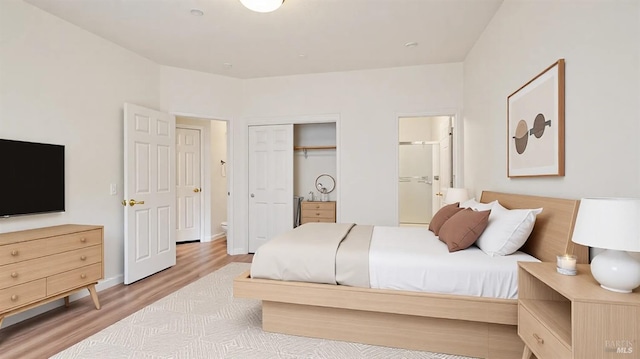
(22, 294)
(318, 205)
(538, 338)
(74, 278)
(74, 241)
(22, 251)
(27, 271)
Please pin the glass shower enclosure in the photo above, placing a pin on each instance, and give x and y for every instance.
(417, 160)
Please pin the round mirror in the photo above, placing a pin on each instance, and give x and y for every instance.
(325, 184)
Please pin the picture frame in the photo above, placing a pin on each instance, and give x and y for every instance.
(535, 125)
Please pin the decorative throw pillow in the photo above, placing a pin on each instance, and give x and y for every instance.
(464, 228)
(507, 231)
(442, 216)
(473, 204)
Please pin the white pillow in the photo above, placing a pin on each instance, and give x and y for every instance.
(507, 231)
(475, 205)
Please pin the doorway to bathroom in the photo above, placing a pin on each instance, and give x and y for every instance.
(425, 167)
(201, 179)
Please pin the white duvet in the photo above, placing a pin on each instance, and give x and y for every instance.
(413, 258)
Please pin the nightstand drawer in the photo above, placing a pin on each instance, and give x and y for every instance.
(538, 338)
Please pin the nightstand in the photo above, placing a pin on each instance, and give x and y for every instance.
(563, 316)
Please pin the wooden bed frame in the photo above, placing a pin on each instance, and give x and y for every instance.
(462, 325)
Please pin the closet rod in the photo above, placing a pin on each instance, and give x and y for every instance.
(419, 143)
(305, 148)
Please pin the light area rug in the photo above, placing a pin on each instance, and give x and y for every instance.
(203, 320)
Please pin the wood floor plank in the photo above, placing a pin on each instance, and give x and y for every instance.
(51, 332)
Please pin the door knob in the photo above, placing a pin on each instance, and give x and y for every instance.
(196, 190)
(252, 195)
(133, 202)
(439, 194)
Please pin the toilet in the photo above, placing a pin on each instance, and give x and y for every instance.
(224, 227)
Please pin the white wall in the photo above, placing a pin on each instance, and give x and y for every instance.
(63, 85)
(600, 41)
(368, 104)
(364, 104)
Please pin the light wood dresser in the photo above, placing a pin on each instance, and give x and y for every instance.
(313, 211)
(562, 316)
(44, 264)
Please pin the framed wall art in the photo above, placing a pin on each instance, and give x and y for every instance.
(535, 125)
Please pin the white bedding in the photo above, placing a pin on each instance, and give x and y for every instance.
(412, 258)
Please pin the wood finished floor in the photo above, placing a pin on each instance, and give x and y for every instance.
(51, 332)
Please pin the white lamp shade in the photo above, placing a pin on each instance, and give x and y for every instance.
(262, 5)
(456, 195)
(610, 223)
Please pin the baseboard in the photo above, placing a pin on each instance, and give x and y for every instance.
(104, 284)
(218, 236)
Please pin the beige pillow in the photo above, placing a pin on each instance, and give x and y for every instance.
(442, 216)
(464, 228)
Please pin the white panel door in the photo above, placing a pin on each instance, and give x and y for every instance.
(188, 186)
(149, 190)
(270, 182)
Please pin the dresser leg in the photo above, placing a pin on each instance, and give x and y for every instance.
(526, 354)
(94, 295)
(66, 301)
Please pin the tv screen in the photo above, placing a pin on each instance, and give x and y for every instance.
(31, 178)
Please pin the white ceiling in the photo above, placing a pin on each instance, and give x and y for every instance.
(303, 36)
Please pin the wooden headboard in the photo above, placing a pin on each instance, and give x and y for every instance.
(552, 233)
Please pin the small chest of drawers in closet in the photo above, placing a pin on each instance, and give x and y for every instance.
(313, 211)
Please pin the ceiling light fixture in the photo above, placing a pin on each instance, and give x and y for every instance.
(262, 5)
(196, 12)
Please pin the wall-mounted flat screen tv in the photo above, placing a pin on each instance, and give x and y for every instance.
(31, 178)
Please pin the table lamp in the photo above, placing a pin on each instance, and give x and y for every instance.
(614, 225)
(456, 195)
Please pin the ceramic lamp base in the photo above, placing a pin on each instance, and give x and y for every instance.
(616, 271)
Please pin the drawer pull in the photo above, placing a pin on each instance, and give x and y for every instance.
(14, 252)
(83, 258)
(83, 276)
(317, 206)
(14, 275)
(83, 239)
(317, 213)
(538, 339)
(14, 298)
